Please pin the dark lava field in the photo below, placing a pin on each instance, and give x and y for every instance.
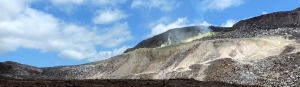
(115, 83)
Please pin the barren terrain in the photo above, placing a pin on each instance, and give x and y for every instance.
(115, 83)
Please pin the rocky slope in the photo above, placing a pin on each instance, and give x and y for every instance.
(116, 83)
(284, 23)
(263, 50)
(11, 69)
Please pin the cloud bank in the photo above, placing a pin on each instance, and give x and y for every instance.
(26, 27)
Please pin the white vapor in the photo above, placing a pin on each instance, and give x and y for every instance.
(23, 26)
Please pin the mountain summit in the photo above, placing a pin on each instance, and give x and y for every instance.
(262, 50)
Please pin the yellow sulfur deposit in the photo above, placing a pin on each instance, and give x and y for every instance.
(189, 39)
(199, 36)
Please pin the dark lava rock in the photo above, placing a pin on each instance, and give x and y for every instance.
(17, 70)
(219, 69)
(283, 19)
(220, 29)
(116, 83)
(284, 23)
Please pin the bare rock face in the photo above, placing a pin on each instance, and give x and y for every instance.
(263, 50)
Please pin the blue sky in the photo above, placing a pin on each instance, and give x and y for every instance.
(47, 33)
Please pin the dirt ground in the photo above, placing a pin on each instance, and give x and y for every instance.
(114, 83)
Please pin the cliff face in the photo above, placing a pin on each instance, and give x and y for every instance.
(255, 51)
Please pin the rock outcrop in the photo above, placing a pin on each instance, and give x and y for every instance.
(263, 50)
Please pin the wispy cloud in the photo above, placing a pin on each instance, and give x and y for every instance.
(107, 2)
(108, 16)
(69, 6)
(219, 4)
(92, 2)
(59, 2)
(108, 54)
(163, 5)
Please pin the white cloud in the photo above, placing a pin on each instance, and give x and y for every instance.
(264, 12)
(228, 23)
(115, 35)
(29, 28)
(70, 5)
(163, 5)
(58, 2)
(108, 16)
(163, 27)
(107, 2)
(67, 5)
(93, 2)
(11, 8)
(108, 54)
(162, 20)
(160, 28)
(220, 4)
